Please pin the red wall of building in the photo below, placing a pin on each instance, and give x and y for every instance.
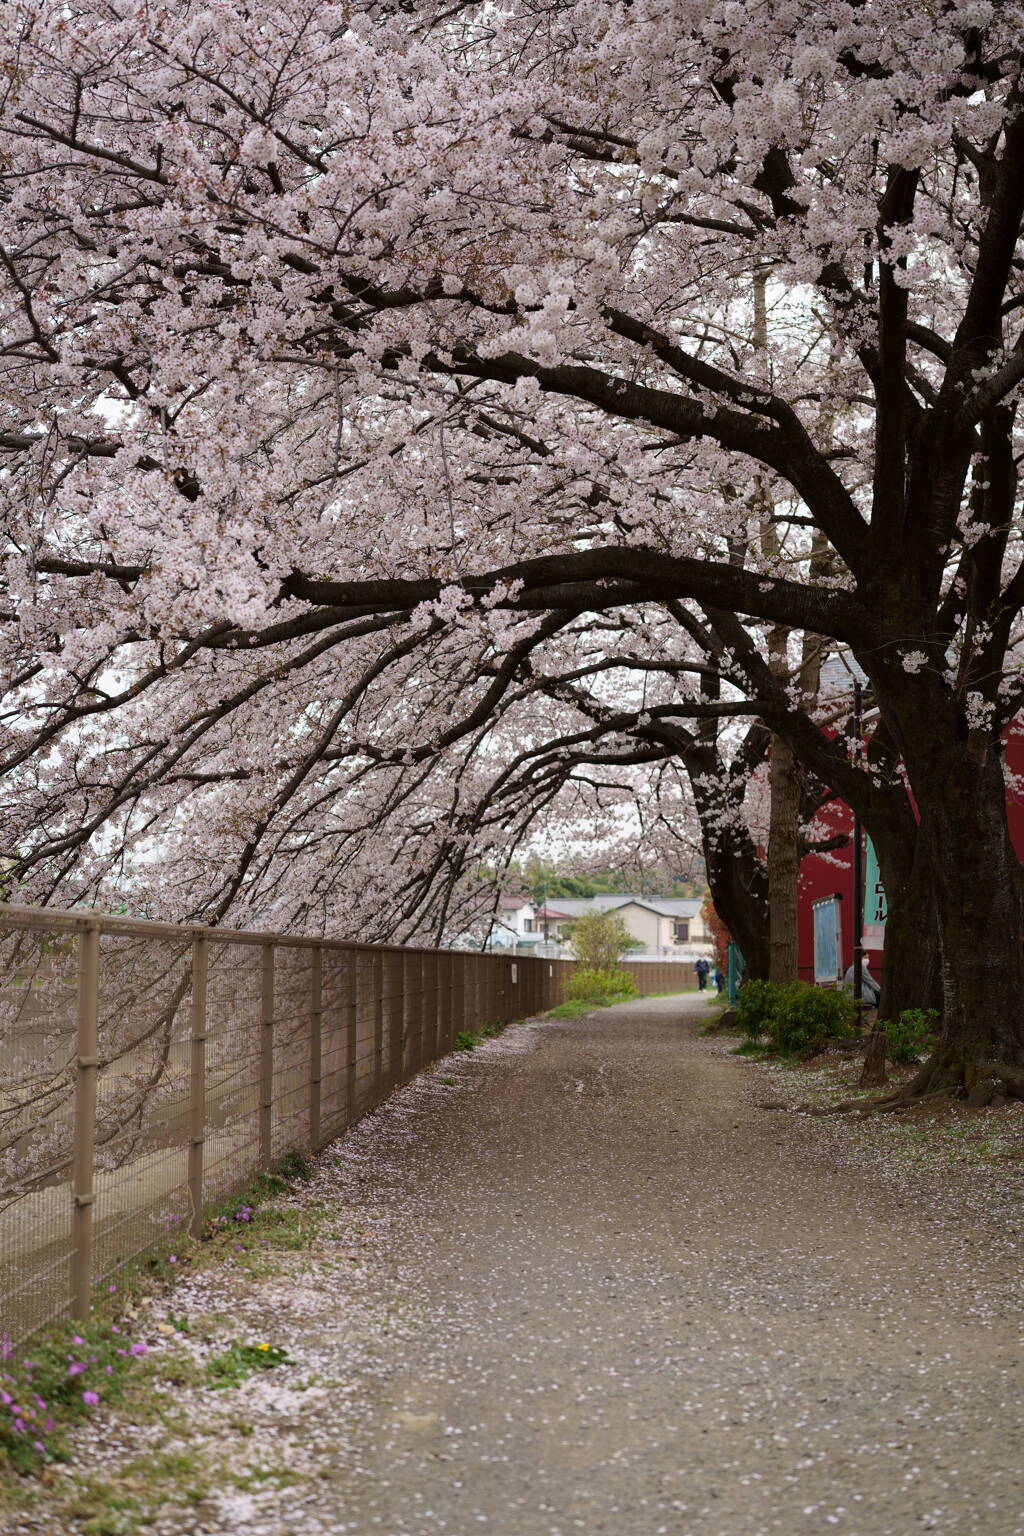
(832, 874)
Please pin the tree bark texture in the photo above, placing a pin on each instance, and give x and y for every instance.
(911, 961)
(736, 876)
(783, 862)
(873, 1074)
(974, 876)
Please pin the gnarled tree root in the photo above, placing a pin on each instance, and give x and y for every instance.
(988, 1080)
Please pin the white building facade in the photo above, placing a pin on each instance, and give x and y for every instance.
(664, 927)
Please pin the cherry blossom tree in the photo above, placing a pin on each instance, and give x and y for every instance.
(341, 343)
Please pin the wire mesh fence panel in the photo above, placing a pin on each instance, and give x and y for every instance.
(394, 1015)
(149, 1070)
(424, 1015)
(234, 995)
(337, 982)
(468, 1021)
(364, 1036)
(378, 1038)
(410, 1006)
(293, 976)
(430, 1004)
(140, 1153)
(38, 1055)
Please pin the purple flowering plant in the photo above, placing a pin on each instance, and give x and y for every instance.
(69, 1370)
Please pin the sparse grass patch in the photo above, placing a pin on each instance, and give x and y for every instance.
(575, 1008)
(931, 1135)
(104, 1508)
(126, 1502)
(67, 1370)
(238, 1362)
(252, 1479)
(468, 1040)
(571, 1010)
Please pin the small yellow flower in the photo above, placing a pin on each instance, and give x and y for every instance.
(262, 1346)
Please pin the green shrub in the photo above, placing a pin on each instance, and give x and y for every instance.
(754, 1004)
(587, 983)
(464, 1041)
(797, 1018)
(598, 939)
(911, 1036)
(804, 1018)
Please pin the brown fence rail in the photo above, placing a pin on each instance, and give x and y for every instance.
(149, 1070)
(654, 976)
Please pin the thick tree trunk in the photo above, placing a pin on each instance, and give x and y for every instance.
(739, 890)
(957, 781)
(912, 961)
(736, 876)
(783, 862)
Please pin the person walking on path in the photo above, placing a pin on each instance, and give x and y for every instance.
(702, 967)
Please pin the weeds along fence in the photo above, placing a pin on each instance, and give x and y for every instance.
(150, 1070)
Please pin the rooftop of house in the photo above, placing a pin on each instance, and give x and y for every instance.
(665, 906)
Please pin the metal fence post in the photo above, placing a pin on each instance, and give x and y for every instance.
(419, 1049)
(432, 1005)
(487, 1011)
(351, 1036)
(377, 984)
(444, 1002)
(266, 1124)
(197, 1081)
(406, 978)
(427, 1013)
(86, 1073)
(410, 1005)
(316, 1013)
(396, 1012)
(454, 972)
(458, 995)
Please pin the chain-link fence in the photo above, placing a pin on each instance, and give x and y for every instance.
(151, 1069)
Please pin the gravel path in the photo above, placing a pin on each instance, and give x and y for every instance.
(598, 1289)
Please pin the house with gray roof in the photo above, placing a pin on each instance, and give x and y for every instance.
(665, 927)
